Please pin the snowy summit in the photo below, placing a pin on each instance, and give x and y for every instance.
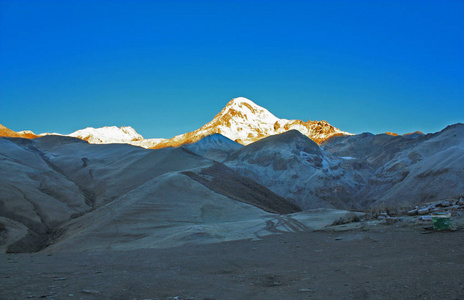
(245, 122)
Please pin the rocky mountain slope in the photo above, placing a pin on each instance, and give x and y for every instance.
(295, 167)
(358, 171)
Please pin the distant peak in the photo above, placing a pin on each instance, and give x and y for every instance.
(245, 108)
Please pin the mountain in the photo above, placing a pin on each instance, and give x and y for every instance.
(243, 121)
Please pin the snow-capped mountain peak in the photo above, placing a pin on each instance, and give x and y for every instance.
(243, 121)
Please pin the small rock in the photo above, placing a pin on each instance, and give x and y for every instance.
(305, 290)
(338, 238)
(461, 202)
(60, 278)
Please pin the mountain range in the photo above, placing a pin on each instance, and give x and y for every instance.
(240, 120)
(243, 175)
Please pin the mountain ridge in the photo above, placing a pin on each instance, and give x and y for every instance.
(241, 120)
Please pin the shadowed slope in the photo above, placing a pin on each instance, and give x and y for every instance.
(226, 182)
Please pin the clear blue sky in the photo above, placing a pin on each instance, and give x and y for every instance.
(167, 67)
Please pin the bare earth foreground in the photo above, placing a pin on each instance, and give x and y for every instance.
(380, 262)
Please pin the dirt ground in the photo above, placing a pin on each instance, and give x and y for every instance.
(382, 262)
